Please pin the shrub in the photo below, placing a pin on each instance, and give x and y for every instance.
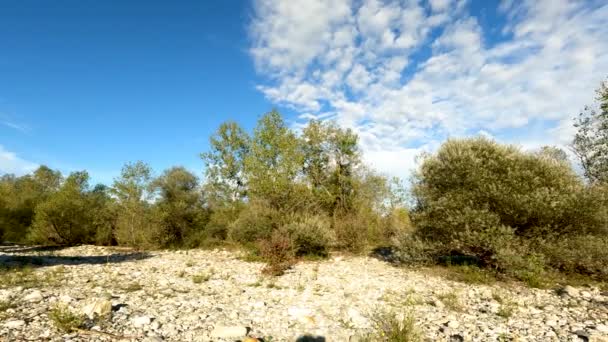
(64, 319)
(391, 327)
(585, 254)
(278, 252)
(495, 204)
(477, 183)
(353, 230)
(310, 234)
(256, 222)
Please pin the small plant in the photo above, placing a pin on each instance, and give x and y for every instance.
(278, 252)
(189, 263)
(391, 327)
(200, 278)
(451, 301)
(64, 319)
(506, 310)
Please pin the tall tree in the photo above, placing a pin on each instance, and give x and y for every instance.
(134, 221)
(224, 171)
(65, 216)
(347, 157)
(590, 142)
(274, 162)
(179, 204)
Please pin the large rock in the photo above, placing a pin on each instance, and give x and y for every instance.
(98, 307)
(228, 331)
(16, 324)
(33, 297)
(569, 291)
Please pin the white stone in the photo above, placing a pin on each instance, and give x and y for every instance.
(33, 297)
(228, 331)
(602, 328)
(14, 324)
(97, 307)
(141, 321)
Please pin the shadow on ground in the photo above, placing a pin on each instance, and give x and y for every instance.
(310, 338)
(17, 257)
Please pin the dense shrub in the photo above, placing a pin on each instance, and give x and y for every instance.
(310, 234)
(493, 203)
(255, 222)
(585, 254)
(477, 183)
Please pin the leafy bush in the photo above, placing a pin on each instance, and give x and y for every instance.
(477, 183)
(310, 234)
(585, 254)
(493, 203)
(256, 222)
(351, 232)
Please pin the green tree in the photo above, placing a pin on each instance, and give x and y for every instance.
(136, 224)
(179, 204)
(347, 157)
(21, 196)
(65, 216)
(274, 163)
(590, 142)
(224, 164)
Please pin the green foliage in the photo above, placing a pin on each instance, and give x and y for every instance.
(225, 163)
(274, 162)
(136, 223)
(392, 327)
(310, 234)
(590, 142)
(256, 222)
(65, 319)
(476, 184)
(20, 197)
(495, 204)
(585, 254)
(179, 206)
(65, 217)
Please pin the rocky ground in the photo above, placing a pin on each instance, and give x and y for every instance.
(203, 295)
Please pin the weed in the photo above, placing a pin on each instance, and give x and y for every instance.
(200, 278)
(391, 327)
(64, 319)
(451, 301)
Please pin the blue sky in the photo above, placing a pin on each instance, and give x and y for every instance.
(94, 84)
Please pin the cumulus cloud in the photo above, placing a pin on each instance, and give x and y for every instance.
(10, 163)
(406, 74)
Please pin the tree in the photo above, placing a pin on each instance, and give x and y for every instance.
(21, 196)
(135, 223)
(274, 162)
(590, 142)
(346, 156)
(224, 164)
(65, 216)
(179, 205)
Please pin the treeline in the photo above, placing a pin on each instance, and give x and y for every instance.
(309, 191)
(284, 194)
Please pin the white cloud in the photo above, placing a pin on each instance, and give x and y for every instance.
(358, 62)
(10, 163)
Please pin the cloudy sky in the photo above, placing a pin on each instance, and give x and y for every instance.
(91, 86)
